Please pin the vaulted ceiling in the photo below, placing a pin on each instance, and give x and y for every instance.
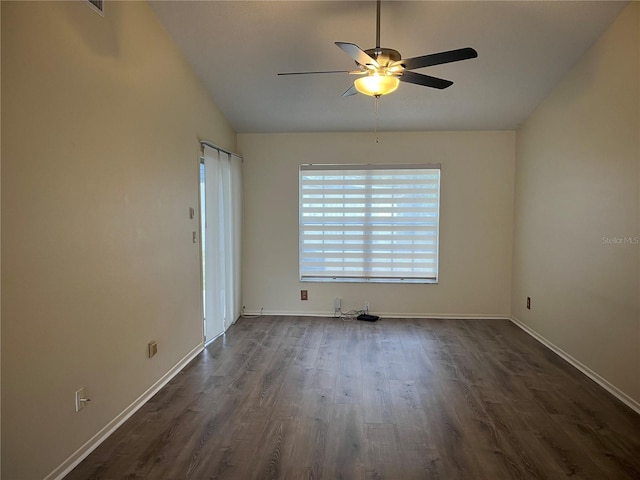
(238, 47)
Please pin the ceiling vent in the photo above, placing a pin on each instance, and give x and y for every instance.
(97, 6)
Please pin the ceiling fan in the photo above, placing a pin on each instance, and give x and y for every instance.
(382, 69)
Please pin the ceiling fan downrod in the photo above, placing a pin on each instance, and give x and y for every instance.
(378, 25)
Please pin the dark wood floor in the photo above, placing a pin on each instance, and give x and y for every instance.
(313, 398)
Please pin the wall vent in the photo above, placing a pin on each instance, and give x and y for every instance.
(97, 6)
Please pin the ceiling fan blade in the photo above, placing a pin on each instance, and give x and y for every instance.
(351, 91)
(439, 58)
(313, 73)
(357, 53)
(424, 80)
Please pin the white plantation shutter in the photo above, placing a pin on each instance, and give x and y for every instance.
(376, 223)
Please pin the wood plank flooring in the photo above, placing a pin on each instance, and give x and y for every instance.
(321, 398)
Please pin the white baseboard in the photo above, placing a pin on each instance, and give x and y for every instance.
(612, 389)
(70, 463)
(437, 316)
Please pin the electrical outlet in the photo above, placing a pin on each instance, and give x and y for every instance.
(337, 307)
(304, 295)
(528, 303)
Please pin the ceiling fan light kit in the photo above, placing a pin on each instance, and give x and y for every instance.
(376, 85)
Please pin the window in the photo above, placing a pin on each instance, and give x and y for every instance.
(369, 223)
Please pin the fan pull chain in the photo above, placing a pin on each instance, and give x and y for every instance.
(377, 97)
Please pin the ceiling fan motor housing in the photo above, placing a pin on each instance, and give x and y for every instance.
(384, 56)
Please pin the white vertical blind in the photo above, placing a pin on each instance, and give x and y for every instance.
(214, 306)
(236, 237)
(376, 223)
(223, 209)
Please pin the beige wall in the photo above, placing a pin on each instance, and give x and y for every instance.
(475, 230)
(577, 190)
(100, 120)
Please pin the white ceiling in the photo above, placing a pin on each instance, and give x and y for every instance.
(238, 47)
